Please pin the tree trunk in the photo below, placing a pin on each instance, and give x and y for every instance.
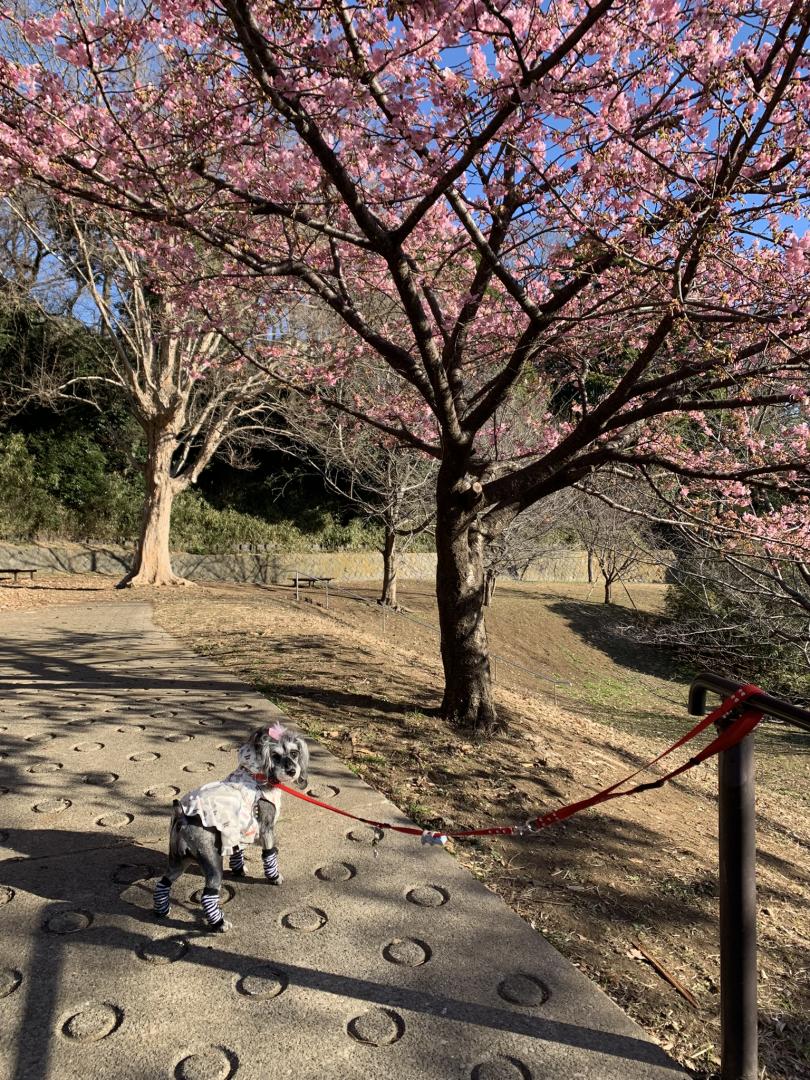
(390, 567)
(153, 564)
(590, 568)
(608, 591)
(490, 578)
(467, 701)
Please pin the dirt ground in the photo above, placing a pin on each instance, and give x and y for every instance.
(611, 888)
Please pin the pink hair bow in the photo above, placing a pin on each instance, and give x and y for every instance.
(275, 732)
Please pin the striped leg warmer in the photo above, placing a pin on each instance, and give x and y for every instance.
(237, 862)
(270, 863)
(161, 898)
(211, 908)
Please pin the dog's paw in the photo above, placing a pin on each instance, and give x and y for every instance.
(277, 880)
(237, 873)
(222, 927)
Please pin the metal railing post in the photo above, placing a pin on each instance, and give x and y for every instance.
(738, 912)
(738, 886)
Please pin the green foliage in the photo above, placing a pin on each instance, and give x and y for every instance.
(199, 528)
(63, 489)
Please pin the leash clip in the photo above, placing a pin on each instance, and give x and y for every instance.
(434, 838)
(528, 828)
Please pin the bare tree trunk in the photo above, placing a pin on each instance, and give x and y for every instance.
(390, 567)
(153, 564)
(467, 701)
(590, 567)
(608, 590)
(490, 579)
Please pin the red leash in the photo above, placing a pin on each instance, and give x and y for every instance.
(741, 726)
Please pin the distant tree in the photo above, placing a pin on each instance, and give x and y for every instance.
(527, 538)
(188, 385)
(615, 540)
(390, 483)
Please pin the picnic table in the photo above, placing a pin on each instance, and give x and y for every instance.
(311, 580)
(16, 571)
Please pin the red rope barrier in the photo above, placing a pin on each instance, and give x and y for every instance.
(729, 736)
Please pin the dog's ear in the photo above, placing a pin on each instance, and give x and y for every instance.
(303, 760)
(264, 748)
(252, 754)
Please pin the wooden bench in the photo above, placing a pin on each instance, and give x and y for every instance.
(16, 571)
(311, 580)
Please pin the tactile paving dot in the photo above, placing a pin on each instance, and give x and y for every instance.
(100, 779)
(409, 952)
(227, 748)
(131, 727)
(10, 979)
(377, 1027)
(67, 922)
(178, 738)
(84, 721)
(88, 747)
(226, 894)
(45, 736)
(305, 919)
(46, 767)
(163, 950)
(212, 1063)
(336, 871)
(162, 791)
(501, 1068)
(126, 873)
(199, 767)
(365, 835)
(144, 755)
(6, 894)
(428, 896)
(114, 820)
(211, 721)
(264, 982)
(521, 989)
(93, 1021)
(51, 806)
(324, 791)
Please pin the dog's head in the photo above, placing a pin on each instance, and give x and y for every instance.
(281, 755)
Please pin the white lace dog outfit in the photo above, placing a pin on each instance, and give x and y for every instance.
(230, 805)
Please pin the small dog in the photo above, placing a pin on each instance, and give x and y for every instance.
(224, 815)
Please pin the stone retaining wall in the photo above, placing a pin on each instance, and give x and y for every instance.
(278, 567)
(260, 567)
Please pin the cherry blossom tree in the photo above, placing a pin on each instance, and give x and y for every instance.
(598, 207)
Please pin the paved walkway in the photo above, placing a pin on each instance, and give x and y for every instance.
(377, 958)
